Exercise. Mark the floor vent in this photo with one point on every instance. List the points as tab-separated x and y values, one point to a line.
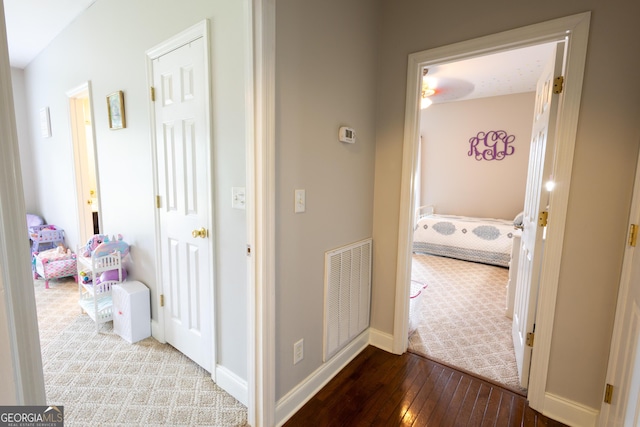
347	295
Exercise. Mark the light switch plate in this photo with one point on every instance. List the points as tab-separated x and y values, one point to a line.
238	197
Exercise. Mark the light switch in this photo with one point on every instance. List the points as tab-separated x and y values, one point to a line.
300	201
237	197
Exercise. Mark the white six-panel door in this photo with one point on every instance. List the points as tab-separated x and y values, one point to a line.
183	162
530	256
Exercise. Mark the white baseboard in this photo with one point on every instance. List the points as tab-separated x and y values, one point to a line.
298	396
232	384
157	332
381	340
569	412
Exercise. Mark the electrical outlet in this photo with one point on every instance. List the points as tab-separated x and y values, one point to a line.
298	351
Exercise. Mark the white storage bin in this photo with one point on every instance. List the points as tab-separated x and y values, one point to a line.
131	311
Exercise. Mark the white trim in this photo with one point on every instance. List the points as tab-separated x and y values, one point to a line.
251	396
199	30
265	190
18	295
381	340
232	384
575	29
618	341
303	392
569	412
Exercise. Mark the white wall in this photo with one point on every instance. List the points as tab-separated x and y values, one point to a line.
26	156
603	169
458	184
325	69
106	45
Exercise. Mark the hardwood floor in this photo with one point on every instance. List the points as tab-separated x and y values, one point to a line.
381	389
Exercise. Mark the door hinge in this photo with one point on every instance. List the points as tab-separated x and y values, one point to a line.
530	337
153	94
543	218
161	300
248	250
558	84
158	204
633	234
608	393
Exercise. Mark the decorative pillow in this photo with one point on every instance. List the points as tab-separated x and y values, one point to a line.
34	220
518	219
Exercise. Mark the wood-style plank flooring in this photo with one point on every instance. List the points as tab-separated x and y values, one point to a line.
381	389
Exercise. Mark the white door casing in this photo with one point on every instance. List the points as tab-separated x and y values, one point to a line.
623	372
535	202
184	220
574	29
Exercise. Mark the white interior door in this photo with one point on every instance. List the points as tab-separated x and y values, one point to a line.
531	247
623	372
183	167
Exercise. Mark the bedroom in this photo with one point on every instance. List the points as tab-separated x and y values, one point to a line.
454	178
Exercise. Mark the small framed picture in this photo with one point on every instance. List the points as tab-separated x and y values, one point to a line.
115	105
45	123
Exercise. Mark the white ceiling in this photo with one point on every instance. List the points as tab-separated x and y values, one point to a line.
504	73
33	24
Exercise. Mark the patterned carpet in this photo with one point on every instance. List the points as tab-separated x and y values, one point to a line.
102	380
461	321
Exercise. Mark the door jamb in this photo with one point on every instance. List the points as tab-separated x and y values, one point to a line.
199	30
262	396
575	29
21	357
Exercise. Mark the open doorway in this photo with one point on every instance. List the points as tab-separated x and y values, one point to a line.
85	164
573	30
471	179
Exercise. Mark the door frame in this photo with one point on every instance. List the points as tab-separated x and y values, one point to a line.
575	30
262	304
73	96
199	30
618	340
20	357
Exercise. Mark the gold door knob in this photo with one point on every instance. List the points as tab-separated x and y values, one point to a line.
199	233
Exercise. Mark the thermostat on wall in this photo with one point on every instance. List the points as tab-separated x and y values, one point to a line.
347	135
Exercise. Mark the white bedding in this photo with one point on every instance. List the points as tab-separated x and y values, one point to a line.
485	240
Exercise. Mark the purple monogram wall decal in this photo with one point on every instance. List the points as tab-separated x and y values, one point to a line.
492	145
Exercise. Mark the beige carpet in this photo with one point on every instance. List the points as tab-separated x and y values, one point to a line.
102	380
461	321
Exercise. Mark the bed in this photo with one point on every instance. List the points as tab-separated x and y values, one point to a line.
485	240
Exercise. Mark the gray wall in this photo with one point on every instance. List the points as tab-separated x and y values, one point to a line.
325	69
107	45
604	163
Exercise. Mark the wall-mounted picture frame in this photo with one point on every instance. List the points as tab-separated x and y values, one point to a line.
115	106
45	123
